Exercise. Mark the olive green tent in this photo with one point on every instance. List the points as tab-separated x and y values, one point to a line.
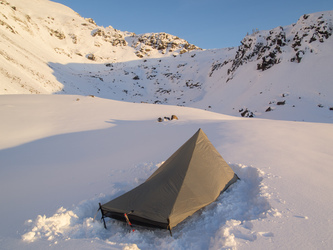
193	177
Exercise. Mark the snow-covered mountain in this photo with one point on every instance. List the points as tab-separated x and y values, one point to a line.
33	37
272	74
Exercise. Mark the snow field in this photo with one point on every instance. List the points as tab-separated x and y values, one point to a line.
223	222
60	155
92	150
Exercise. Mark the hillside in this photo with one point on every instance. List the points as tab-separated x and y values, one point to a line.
32	38
275	74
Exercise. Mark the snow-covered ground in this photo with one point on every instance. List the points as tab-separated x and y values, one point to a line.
61	155
87	138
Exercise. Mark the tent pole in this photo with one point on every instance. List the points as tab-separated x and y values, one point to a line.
100	207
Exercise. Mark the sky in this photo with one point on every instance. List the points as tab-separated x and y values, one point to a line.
208	24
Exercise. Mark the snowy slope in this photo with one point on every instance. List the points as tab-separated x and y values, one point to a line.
63	154
33	37
61	52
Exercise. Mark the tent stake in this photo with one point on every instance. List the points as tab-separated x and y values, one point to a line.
100	207
169	227
128	221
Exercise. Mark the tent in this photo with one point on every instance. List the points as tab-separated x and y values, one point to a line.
193	177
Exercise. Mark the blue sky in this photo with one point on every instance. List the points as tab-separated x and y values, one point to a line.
206	23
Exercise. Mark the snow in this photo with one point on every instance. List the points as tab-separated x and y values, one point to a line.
57	45
92	150
77	223
87	138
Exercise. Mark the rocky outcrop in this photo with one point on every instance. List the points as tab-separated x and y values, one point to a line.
268	48
163	42
110	35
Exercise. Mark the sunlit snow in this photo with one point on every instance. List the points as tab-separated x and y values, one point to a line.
92	133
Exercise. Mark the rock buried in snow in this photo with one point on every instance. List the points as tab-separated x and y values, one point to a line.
91	57
246	113
281	103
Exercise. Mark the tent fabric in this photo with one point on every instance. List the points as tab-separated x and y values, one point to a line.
193	177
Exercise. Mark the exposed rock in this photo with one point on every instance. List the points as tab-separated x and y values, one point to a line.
190	84
298	57
90	20
268	109
97	32
246	113
174	117
217	66
267	47
111	35
7	26
162	42
57	33
91	57
74	38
